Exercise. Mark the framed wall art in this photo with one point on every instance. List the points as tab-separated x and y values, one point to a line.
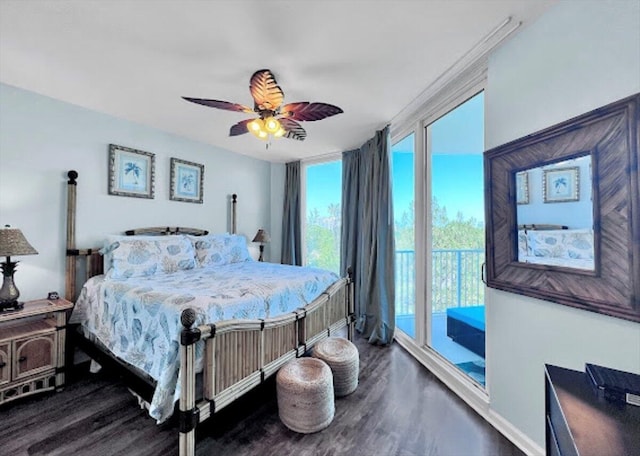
561	185
131	172
522	187
187	181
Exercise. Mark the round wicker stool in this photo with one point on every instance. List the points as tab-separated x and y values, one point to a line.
342	357
305	395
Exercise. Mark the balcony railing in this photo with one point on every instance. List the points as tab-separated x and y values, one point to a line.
456	280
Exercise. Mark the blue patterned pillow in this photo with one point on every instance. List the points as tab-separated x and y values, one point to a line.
579	244
523	244
147	257
220	249
574	244
110	244
547	243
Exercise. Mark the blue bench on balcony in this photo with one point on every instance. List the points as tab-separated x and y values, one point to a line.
465	326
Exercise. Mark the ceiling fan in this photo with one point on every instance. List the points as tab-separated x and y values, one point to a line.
274	119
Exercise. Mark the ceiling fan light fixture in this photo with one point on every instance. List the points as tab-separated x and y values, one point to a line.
279	133
255	125
272	125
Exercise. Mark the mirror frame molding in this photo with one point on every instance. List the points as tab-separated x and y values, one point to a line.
611	136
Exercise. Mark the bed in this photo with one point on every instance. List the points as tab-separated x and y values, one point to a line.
465	326
164	319
556	245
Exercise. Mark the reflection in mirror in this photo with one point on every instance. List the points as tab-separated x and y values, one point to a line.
555	214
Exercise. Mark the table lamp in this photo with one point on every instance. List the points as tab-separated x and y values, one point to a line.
12	243
262	237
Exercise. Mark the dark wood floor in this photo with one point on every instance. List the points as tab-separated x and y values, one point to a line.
399	409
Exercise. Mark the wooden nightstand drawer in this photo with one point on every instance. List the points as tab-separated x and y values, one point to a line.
32	344
32	355
5	363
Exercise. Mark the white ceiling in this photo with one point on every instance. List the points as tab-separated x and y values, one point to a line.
134	59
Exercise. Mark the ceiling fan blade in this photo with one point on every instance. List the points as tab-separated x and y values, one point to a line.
220	104
265	91
290	109
240	128
293	129
309	111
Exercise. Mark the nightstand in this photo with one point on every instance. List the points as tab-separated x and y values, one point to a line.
578	423
32	348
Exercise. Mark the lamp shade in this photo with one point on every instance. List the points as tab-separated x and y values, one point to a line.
262	236
13	243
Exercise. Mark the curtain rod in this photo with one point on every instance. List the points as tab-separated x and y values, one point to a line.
467	60
319	157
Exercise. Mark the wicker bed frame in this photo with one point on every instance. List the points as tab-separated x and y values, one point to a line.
239	354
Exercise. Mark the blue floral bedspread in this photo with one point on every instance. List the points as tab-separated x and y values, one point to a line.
138	319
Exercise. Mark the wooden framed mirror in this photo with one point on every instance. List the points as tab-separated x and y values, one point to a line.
603	143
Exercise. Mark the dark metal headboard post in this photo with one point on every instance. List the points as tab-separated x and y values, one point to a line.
234	201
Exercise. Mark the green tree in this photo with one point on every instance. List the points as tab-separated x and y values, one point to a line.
404	229
459	233
323	238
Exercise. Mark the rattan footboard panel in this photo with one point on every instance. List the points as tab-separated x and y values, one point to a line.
314	322
238	350
242	353
279	340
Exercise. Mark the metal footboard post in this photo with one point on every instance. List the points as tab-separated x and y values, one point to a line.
189	413
350	298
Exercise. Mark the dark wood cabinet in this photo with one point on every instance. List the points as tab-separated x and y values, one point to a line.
579	423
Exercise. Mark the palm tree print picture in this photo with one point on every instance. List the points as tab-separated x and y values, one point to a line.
561	185
135	170
131	172
187	181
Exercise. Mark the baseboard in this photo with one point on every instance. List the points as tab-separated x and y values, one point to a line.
470	392
517	437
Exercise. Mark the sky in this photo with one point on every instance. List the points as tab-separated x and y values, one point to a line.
324	186
457	143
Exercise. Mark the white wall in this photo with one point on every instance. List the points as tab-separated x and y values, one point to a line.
42	138
576	57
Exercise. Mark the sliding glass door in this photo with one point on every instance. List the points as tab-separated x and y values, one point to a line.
455	146
403	182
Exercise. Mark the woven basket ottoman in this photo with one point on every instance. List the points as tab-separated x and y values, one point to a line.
342	357
305	395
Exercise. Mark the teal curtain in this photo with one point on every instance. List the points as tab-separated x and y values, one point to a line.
291	252
368	247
